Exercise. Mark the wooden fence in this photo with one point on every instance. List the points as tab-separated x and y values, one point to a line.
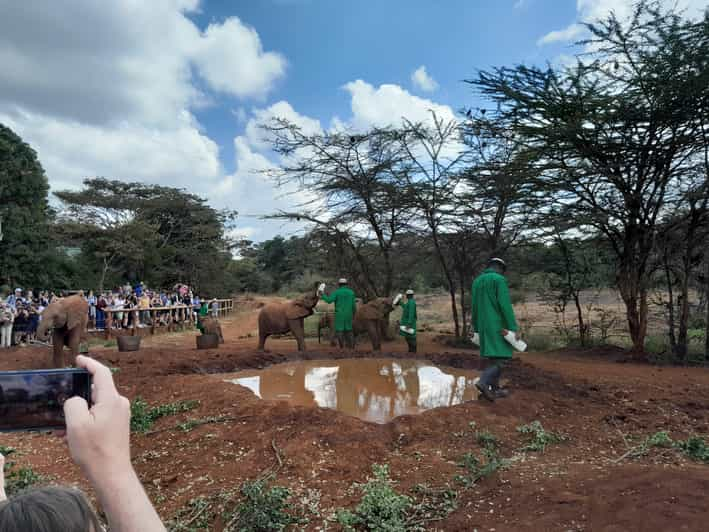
169	317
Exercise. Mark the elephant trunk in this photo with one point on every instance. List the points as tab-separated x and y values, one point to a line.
43	330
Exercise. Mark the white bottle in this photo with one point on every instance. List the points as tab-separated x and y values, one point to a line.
511	338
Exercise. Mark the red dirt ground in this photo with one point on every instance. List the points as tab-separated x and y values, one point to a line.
578	485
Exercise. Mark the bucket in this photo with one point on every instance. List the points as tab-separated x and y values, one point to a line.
207	341
128	343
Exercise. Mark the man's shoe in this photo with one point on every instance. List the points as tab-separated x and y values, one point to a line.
486	391
501	393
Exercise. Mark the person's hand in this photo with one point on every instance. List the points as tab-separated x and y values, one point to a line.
504	332
397	299
99	437
2	478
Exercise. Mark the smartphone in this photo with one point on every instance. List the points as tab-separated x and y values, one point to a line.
34	399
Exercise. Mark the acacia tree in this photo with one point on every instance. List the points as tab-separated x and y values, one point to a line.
616	134
158	234
430	173
350	184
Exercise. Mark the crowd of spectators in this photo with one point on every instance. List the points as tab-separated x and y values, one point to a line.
20	312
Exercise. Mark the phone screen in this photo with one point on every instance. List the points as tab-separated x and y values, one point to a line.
34	400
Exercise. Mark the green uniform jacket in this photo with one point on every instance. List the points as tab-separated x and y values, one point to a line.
345	306
203	311
491	312
408	317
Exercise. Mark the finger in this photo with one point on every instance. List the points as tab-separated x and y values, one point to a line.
103	385
76	413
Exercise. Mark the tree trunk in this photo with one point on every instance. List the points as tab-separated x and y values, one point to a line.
670	304
706	324
583	327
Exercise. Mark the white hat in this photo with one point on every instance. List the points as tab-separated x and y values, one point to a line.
409	292
497	259
18	289
342	281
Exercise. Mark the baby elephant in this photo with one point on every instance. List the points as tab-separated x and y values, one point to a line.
211	325
66	318
281	318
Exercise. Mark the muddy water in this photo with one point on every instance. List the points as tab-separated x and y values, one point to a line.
375	390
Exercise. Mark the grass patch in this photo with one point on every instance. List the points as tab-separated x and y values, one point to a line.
263	507
538	438
695	448
18	479
143	417
381	507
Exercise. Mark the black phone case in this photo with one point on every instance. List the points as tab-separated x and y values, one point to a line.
60	371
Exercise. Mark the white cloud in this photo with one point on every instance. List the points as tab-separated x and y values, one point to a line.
231	58
593	10
423	81
257	137
70	151
568	34
519	4
388	104
107	89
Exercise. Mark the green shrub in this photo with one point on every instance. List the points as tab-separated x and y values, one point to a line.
18	479
263	507
143	417
539	439
381	507
695	448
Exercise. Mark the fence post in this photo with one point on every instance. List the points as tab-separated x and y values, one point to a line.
109	323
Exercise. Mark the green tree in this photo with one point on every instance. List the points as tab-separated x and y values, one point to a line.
142	232
25	214
616	135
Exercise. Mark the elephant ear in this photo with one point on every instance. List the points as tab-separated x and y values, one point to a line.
297	309
73	319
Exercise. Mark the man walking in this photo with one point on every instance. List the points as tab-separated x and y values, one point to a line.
345	307
407	323
492	319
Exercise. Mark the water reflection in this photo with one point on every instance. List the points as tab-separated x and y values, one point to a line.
375	390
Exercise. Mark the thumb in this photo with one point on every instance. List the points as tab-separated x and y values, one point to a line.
76	413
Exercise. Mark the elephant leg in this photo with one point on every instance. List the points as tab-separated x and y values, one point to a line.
262	340
57	349
296	327
373	330
74	339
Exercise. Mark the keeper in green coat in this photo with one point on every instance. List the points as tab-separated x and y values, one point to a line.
407	323
345	307
203	311
492	319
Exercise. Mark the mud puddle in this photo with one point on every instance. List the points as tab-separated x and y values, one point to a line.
375	390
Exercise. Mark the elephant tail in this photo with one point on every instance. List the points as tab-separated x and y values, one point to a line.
319	331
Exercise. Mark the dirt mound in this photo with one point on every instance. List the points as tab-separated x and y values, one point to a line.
602	407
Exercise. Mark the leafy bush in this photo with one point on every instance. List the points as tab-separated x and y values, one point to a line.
263	508
17	479
381	507
142	417
476	470
695	448
539	439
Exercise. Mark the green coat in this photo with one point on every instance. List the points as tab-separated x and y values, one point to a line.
408	317
345	307
203	311
491	311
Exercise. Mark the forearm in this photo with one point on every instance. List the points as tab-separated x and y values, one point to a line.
126	504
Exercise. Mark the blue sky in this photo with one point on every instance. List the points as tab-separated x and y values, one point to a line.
173	91
330	43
